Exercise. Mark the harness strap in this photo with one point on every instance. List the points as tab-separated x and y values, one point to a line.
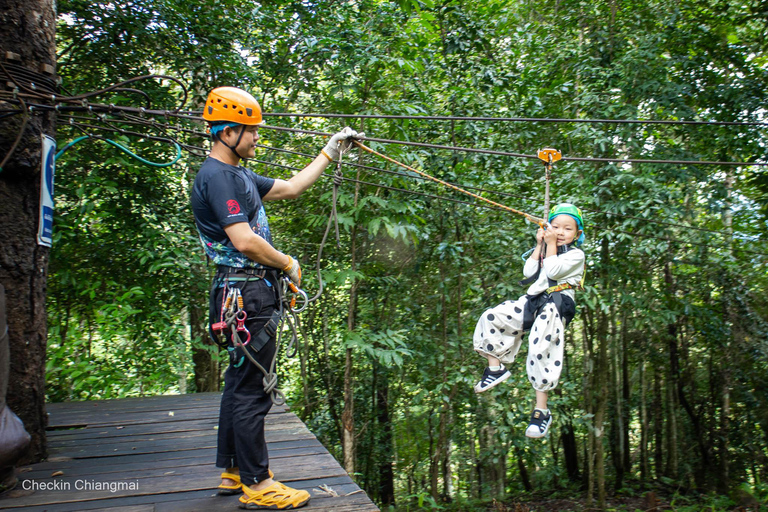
534	277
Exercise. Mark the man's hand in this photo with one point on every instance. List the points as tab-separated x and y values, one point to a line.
340	142
293	270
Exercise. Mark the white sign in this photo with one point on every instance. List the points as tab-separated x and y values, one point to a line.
45	231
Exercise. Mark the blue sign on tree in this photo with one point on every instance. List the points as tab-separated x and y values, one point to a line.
45	231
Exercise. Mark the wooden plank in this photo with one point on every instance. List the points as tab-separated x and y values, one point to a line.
281	449
356	503
206	500
274	421
164	430
123	419
146	402
69	489
87	468
170	445
164	462
159	411
179	402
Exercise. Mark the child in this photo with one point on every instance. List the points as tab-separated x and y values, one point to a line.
544	310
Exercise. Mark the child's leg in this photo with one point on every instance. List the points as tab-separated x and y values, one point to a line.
498	336
545	350
545	362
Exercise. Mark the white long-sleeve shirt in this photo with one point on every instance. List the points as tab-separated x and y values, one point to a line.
563	268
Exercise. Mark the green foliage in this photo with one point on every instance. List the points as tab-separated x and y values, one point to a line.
675	303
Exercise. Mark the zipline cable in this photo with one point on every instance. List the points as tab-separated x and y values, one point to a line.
617	161
18	137
496	208
202	134
500	193
521	155
519	119
536	220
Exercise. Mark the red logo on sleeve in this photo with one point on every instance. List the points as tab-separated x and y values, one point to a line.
233	207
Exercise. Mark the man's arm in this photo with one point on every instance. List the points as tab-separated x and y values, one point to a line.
255	247
295	186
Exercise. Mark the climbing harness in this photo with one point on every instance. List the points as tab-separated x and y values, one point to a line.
231	325
536	220
536	303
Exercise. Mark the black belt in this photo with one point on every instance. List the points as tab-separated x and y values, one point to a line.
226	270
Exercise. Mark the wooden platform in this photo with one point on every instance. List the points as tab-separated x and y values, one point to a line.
157	454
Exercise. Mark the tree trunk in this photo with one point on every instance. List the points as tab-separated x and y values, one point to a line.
29	33
625	394
570	452
589	447
386	473
205	364
644	425
348	441
602	394
438	464
658	425
618	425
523	470
672	461
347	417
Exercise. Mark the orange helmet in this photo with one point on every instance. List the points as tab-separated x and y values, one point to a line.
232	105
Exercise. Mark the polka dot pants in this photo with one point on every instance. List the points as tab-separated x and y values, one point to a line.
499	333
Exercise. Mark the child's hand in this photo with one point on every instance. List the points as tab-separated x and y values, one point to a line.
550	236
539	235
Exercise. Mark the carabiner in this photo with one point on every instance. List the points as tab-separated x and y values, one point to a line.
298	291
303	295
240	320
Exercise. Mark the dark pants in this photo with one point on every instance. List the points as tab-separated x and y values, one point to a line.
244	404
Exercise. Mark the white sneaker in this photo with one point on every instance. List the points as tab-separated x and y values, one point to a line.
539	424
491	379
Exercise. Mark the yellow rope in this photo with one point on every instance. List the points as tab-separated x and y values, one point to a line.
535	220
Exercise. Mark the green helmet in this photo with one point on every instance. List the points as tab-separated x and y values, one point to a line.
572	211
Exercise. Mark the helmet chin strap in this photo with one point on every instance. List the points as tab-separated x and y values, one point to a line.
234	148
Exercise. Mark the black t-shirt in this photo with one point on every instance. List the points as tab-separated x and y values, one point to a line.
225	194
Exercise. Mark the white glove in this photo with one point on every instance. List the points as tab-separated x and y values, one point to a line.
293	270
340	142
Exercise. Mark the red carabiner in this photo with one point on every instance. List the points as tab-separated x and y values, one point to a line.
240	319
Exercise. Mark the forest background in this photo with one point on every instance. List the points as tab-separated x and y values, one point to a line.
665	379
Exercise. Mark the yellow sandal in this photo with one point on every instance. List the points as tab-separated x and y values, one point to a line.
276	496
228	490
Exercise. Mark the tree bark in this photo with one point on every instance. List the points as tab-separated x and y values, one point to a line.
658	425
29	32
205	365
602	393
589	448
386	473
348	441
644	425
618	425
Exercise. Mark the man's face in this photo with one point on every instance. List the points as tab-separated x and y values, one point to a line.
247	145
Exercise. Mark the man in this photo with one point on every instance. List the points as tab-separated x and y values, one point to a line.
230	217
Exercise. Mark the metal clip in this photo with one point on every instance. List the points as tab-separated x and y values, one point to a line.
240	319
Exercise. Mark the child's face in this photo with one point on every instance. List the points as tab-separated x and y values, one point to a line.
566	228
